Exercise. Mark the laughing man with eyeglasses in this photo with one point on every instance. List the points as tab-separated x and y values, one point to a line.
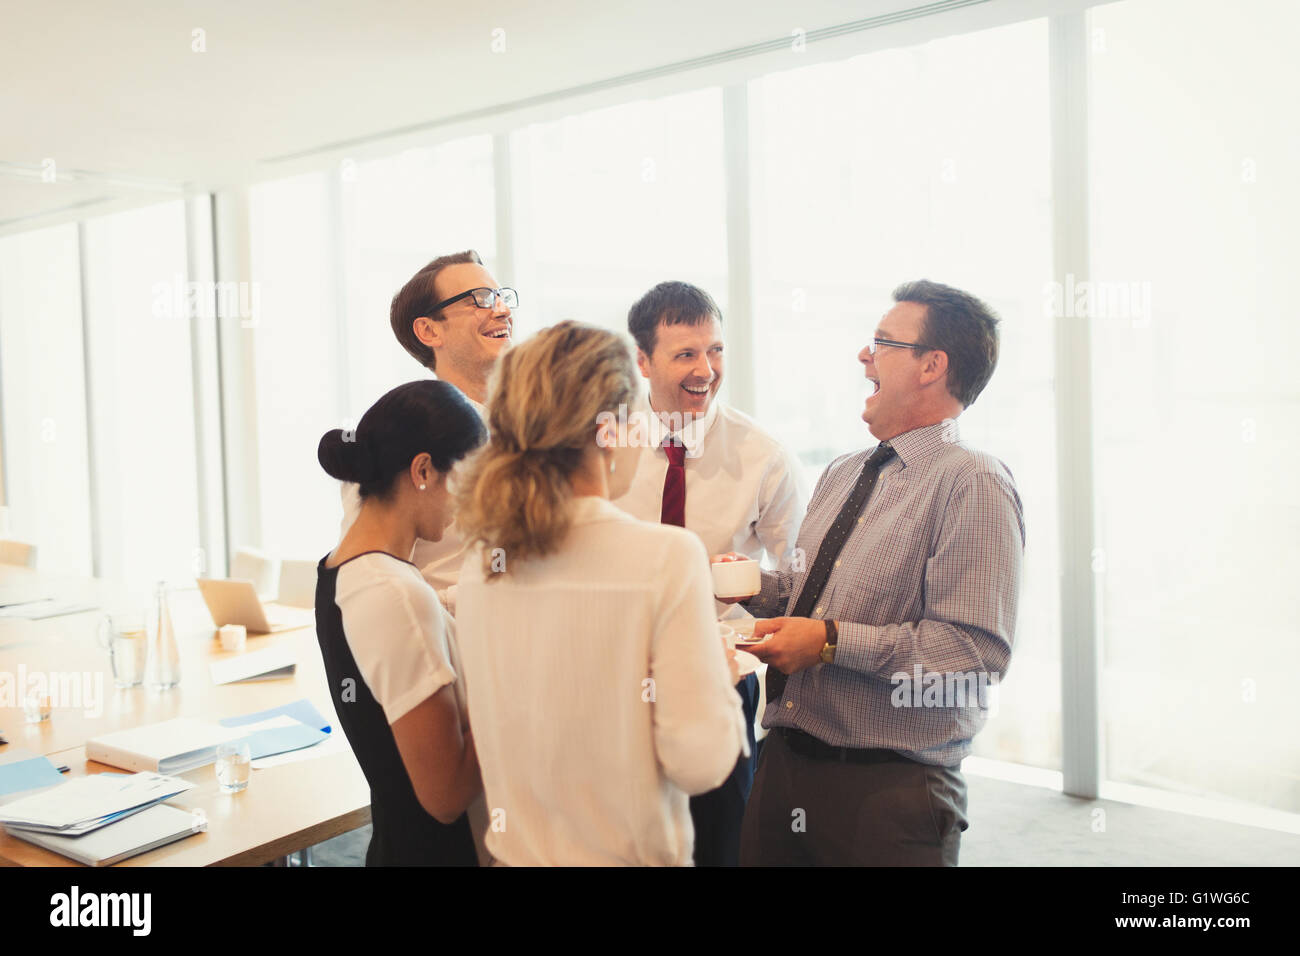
918	542
456	321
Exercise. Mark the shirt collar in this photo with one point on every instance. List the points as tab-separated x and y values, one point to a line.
692	435
921	443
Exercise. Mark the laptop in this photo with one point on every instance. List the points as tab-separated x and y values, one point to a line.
237	602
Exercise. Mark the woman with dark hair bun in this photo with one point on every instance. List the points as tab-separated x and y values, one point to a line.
388	644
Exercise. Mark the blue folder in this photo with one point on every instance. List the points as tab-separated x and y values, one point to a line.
311	729
20	775
300	710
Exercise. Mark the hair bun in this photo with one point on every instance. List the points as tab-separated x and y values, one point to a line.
345	456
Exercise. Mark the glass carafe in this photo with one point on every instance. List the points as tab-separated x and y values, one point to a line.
163	670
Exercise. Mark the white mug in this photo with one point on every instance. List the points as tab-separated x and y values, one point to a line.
233	637
736	579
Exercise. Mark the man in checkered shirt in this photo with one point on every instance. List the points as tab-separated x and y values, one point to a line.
901	614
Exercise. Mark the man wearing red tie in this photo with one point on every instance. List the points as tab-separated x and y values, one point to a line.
713	471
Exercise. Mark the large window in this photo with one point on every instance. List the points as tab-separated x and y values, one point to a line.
398	213
142	395
1195	143
42	374
298	342
611	202
330	250
927	162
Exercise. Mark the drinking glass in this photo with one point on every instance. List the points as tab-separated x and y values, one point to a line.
234	765
126	638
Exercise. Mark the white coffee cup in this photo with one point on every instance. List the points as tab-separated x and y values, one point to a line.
736	579
233	637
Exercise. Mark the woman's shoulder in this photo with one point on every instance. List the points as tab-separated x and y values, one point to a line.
377	576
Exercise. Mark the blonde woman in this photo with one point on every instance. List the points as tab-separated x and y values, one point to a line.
601	694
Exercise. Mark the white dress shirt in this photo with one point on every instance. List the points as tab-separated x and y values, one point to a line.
599	694
438	561
744	491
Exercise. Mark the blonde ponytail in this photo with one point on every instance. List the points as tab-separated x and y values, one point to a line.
544	400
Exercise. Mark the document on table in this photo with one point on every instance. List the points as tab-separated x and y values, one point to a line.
334	744
266	664
87	803
10	598
301	710
278	735
39	610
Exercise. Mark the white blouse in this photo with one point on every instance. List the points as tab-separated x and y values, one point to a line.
404	643
599	693
401	637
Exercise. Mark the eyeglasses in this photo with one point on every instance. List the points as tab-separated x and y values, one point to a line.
484	298
876	343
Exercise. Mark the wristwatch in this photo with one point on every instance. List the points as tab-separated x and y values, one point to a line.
828	649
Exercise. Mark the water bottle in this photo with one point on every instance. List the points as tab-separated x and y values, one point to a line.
163	670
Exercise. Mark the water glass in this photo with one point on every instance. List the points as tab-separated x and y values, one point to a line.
36	707
126	638
234	766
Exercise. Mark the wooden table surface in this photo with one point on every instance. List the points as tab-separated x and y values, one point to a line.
284	809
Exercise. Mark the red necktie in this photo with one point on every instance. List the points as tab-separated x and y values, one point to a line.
674	508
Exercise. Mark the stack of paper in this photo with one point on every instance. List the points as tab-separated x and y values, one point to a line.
104	818
154	827
84	804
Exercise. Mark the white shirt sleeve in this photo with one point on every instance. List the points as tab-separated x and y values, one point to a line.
699	724
396	630
782	501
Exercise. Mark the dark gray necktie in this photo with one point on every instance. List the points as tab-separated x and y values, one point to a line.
830	549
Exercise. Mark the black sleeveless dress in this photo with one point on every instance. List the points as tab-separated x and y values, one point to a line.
404	833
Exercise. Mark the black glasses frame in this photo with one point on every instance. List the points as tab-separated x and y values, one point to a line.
919	346
490	294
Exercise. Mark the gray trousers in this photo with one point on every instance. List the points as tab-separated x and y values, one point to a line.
812	812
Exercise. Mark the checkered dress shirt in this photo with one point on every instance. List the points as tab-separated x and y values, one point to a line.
924	593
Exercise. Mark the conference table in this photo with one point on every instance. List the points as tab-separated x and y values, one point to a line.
286	807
